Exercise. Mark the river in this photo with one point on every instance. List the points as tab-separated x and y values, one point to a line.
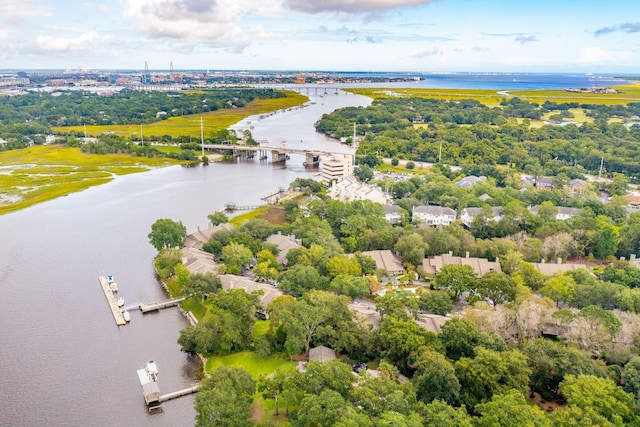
63	361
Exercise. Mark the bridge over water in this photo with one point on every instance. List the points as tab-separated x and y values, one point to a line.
278	154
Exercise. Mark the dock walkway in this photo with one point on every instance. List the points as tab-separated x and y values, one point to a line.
146	308
179	393
111	299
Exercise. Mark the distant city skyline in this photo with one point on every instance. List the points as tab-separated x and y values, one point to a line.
347	35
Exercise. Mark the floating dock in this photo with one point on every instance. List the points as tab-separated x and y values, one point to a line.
146	308
111	299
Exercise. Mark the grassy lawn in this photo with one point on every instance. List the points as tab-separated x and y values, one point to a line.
384	167
195	306
248	216
40	173
190	125
249	361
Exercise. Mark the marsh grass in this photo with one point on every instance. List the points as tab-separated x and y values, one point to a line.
40	173
190	125
491	98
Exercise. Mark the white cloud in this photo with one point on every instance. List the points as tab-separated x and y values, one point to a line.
351	6
73	43
595	55
14	11
212	22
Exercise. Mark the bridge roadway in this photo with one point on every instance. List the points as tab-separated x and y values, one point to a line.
278	154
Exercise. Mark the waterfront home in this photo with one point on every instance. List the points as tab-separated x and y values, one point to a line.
349	189
199	238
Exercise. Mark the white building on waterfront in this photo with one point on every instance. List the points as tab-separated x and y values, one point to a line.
335	167
349	189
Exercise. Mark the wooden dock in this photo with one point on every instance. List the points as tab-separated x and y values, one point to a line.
111	299
179	393
155	306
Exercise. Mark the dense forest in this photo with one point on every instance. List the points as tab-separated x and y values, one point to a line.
26	118
472	134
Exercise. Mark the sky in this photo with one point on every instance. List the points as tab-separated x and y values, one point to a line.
590	36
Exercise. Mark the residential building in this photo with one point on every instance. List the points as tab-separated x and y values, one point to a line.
578	186
468	214
470	181
392	213
481	266
200	237
549	268
563	214
321	354
335	167
284	244
269	292
349	189
433	215
544	183
386	260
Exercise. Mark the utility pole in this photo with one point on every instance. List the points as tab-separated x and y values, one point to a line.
600	172
141	135
202	136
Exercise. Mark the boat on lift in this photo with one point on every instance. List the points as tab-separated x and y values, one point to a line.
120	302
126	315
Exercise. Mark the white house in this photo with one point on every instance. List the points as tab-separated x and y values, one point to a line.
392	213
349	189
468	214
563	214
433	215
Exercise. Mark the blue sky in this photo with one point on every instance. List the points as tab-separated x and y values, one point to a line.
345	35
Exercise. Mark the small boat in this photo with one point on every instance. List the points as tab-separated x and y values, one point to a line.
126	315
114	286
120	302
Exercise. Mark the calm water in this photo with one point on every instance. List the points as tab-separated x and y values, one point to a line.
63	361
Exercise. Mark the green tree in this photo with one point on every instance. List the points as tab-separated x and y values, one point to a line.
402	340
496	287
301	278
490	373
350	285
363	173
225	398
236	255
560	289
217	218
438	413
330	375
201	284
547	211
631	377
435	378
323	410
511	409
608	237
343	265
374	396
284	381
166	233
437	302
411	248
456	279
597	401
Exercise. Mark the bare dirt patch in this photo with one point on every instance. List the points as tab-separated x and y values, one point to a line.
274	214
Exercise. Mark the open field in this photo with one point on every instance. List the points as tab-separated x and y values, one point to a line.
249	361
40	173
492	98
190	125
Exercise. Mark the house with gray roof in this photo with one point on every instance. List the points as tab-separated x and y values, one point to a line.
433	215
200	237
563	214
284	244
392	213
468	214
386	260
470	181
